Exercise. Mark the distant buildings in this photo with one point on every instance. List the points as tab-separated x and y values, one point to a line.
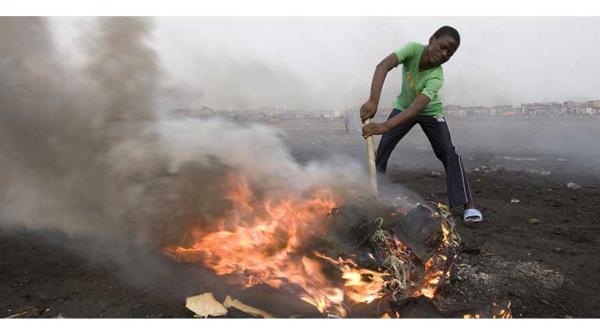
271	114
550	109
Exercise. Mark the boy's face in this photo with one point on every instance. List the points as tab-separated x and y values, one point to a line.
441	49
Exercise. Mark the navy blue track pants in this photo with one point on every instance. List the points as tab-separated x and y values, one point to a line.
436	130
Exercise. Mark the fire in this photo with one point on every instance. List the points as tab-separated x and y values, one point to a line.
386	315
431	280
361	285
256	228
503	313
433	274
259	241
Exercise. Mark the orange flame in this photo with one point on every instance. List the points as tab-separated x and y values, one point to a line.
432	273
504	313
361	285
259	241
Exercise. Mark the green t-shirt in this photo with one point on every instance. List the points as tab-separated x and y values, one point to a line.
415	82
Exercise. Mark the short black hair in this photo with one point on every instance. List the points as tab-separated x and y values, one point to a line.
448	31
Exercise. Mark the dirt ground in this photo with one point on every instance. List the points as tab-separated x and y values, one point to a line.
519	171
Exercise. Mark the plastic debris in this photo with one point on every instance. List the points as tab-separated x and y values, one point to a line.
230	302
27	312
205	305
573	185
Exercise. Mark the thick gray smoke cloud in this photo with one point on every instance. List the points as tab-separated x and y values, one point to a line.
62	131
82	152
69	156
256	152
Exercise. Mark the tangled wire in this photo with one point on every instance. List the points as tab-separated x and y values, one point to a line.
398	262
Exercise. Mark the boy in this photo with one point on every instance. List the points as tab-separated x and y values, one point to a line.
422	78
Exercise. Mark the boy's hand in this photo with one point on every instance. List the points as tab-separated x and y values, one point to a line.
374	129
368	110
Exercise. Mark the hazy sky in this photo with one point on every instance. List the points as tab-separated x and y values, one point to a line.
327	63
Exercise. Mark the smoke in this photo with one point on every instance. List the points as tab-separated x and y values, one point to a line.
69	141
83	152
256	152
62	130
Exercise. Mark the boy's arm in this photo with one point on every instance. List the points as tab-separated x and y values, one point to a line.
369	109
418	104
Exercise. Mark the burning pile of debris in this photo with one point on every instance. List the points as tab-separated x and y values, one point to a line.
390	253
340	259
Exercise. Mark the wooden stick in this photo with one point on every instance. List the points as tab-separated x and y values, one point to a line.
372	169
